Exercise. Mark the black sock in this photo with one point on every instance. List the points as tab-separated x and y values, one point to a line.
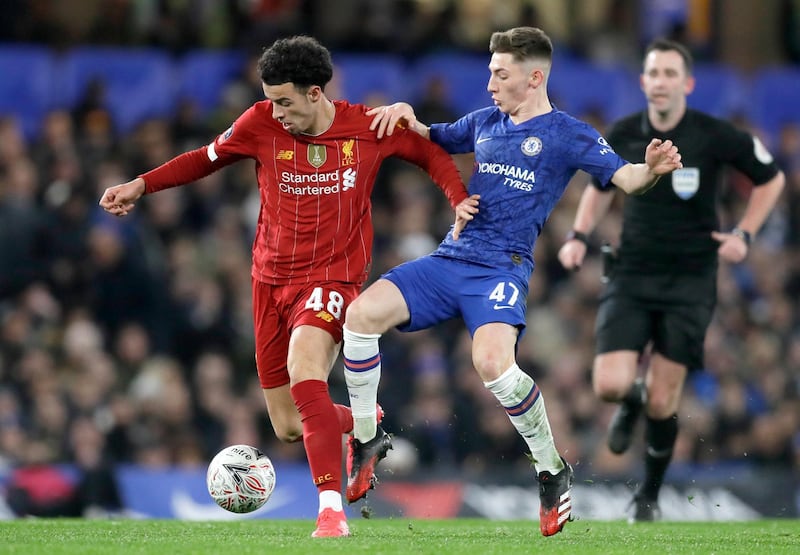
660	436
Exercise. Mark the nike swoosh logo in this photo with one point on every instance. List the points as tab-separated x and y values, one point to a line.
498	307
483	140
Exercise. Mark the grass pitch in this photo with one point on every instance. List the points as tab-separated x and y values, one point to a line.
395	536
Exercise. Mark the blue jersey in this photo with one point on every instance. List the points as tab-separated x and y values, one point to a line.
520	172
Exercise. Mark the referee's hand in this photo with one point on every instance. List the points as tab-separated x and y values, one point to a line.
571	254
732	248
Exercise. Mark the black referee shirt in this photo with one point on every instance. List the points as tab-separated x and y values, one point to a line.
668	229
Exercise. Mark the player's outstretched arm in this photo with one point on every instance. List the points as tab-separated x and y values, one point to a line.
120	199
465	212
660	158
386	118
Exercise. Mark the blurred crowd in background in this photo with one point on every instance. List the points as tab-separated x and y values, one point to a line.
722	30
130	340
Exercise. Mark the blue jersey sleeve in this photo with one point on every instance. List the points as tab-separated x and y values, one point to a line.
594	155
457	137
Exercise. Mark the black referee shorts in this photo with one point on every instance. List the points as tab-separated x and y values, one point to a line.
672	311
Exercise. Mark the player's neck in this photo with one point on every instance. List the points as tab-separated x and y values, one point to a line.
530	109
324	119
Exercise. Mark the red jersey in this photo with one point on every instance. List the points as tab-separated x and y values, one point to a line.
315	221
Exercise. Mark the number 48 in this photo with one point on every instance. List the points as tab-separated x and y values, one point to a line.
334	306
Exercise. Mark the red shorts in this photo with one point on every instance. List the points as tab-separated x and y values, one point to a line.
278	309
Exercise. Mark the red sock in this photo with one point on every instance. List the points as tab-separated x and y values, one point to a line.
345	418
322	433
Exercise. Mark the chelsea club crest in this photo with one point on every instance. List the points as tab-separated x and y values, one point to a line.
531	146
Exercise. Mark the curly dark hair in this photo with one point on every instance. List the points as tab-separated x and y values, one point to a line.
300	60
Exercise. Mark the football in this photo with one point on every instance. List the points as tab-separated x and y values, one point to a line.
240	479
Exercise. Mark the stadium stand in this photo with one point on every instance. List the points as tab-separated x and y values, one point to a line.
136	84
581	88
719	90
465	77
203	75
775	98
363	77
26	87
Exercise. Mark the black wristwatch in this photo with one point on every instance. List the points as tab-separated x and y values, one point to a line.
578	236
742	234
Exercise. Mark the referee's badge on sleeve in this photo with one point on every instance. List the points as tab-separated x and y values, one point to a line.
685	182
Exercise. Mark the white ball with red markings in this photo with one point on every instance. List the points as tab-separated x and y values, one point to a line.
240	479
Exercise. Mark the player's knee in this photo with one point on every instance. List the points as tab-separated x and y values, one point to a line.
287	427
288	434
609	395
608	387
362	317
489	366
661	404
355	316
613	376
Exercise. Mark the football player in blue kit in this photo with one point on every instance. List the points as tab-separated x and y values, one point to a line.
526	151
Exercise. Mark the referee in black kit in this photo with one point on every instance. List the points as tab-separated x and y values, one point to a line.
662	287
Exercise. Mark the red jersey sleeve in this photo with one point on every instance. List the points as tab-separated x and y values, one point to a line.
196	164
429	156
189	166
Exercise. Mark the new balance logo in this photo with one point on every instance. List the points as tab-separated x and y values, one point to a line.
323	315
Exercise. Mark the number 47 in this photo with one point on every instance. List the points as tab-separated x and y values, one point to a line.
499	294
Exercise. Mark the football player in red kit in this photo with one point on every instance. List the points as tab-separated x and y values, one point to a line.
316	164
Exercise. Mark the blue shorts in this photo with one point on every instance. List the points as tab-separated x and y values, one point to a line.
437	288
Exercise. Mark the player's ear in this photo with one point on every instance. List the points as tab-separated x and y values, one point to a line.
688	87
536	78
314	93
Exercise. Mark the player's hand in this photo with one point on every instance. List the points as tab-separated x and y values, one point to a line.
386	118
732	248
571	254
465	211
662	157
120	199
